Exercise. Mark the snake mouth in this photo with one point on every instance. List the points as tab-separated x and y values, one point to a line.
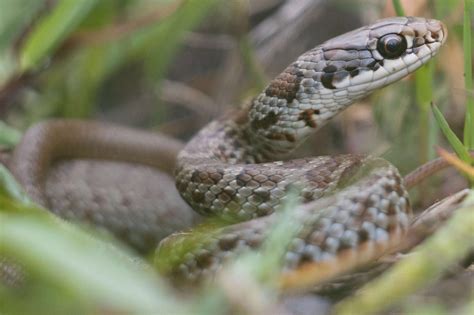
431	34
438	32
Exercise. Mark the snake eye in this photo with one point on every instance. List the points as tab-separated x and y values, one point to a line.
392	46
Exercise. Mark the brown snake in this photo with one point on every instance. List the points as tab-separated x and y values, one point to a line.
351	205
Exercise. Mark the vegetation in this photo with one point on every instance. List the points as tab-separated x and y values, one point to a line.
72	58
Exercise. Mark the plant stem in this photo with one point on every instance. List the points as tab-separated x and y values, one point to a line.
467	40
398	7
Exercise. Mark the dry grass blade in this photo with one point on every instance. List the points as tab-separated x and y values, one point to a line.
456	162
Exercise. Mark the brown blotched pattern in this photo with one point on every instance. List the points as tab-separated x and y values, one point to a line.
231	168
350	206
242	192
376	207
286	84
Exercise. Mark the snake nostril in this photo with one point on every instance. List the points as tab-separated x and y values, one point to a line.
437	30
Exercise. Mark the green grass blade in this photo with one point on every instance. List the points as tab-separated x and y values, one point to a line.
9	137
467	40
282	233
161	42
14	16
453	140
52	29
248	55
10	189
424	97
88	270
91	270
398	7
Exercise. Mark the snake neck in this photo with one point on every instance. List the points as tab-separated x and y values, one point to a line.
325	80
219	160
316	87
239	138
265	130
224	141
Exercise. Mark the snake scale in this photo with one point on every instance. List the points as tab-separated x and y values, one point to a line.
234	167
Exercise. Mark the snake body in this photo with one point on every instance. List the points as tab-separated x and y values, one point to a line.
107	175
234	169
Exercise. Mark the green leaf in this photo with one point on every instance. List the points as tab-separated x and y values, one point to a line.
86	72
68	267
444	8
91	271
10	189
161	41
398	7
52	30
424	96
467	42
15	15
453	140
9	137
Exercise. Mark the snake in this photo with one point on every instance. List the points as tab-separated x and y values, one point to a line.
236	167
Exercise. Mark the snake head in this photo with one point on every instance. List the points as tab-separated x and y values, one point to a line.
325	80
376	55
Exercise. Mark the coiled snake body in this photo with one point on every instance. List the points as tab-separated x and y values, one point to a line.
350	204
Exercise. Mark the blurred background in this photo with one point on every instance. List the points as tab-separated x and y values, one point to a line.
172	66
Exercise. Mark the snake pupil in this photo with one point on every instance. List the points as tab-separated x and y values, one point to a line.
392	46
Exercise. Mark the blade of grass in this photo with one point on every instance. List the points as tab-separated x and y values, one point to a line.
52	29
467	40
424	97
9	136
250	60
453	140
14	17
398	7
168	35
257	272
424	94
456	162
93	271
88	269
275	246
10	189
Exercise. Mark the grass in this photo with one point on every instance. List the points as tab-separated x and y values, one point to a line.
8	136
467	44
98	274
398	8
424	95
462	148
51	30
94	272
72	271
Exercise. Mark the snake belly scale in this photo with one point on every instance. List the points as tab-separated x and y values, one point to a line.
234	167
